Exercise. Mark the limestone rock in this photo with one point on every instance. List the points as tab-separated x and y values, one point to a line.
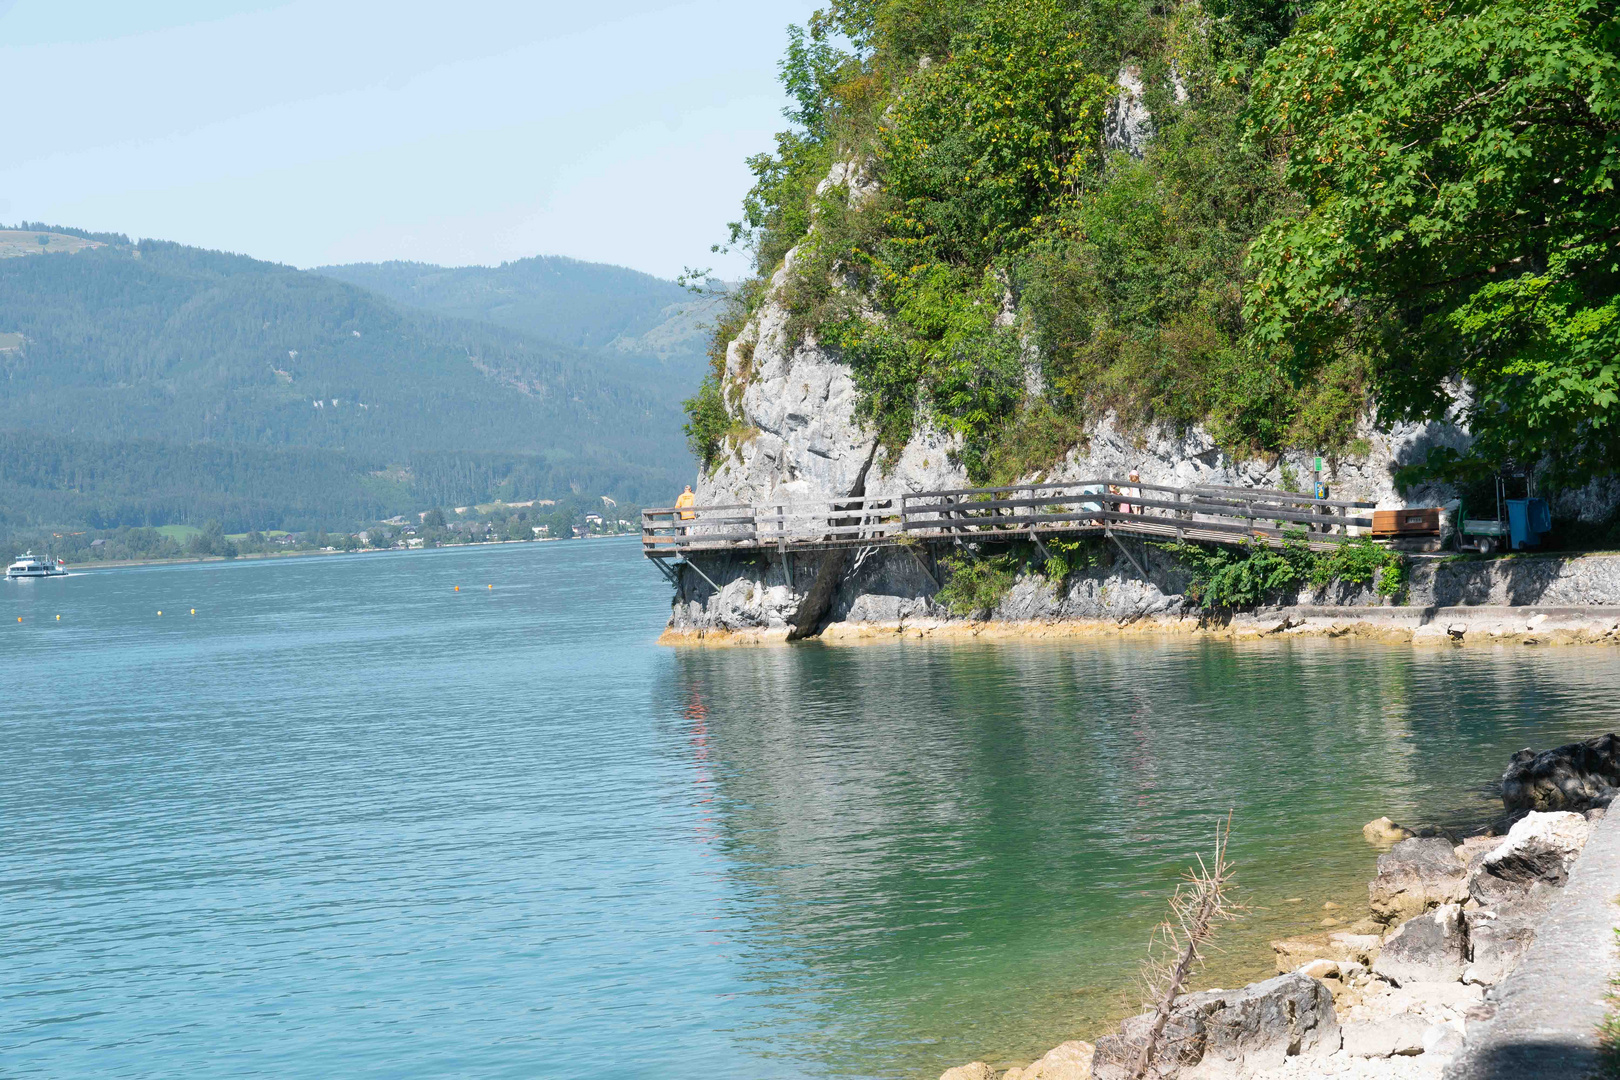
1336	975
1414	876
1399	1035
1128	125
1540	848
1230	1033
1497	940
976	1070
1443	1041
1475	848
1428	948
1339	947
1384	832
1578	776
1070	1061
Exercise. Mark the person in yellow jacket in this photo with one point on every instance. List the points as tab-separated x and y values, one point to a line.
683	500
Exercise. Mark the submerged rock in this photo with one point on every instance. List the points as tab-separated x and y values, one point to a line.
1229	1033
1578	776
1383	831
976	1070
1070	1061
1415	876
1339	947
1429	948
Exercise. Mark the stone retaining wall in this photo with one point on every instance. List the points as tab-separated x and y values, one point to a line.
1533	599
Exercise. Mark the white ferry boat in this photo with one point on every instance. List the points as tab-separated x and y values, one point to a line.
30	567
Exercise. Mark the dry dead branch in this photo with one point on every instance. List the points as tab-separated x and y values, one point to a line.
1180	943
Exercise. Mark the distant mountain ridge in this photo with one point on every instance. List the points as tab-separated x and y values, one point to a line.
607	309
160	382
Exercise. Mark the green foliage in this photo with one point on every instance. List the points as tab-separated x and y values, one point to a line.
707	422
998	224
975	586
983	145
1458	167
1232	578
1072	556
1360	562
1225	579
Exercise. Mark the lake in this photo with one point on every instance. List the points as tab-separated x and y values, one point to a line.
347	820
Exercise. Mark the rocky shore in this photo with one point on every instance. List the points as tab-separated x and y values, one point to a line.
1444	975
892	593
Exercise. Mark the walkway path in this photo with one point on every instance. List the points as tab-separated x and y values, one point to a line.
1548	1012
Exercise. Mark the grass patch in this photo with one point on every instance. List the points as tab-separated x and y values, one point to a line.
180	534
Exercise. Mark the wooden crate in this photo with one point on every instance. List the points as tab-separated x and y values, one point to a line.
1418	521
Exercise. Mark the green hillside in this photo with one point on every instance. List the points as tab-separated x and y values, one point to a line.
1260	216
607	309
153	383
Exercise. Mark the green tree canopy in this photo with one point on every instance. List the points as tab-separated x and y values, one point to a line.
1458	164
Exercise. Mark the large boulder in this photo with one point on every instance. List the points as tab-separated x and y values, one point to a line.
1429	948
1219	1034
1539	849
1579	776
1071	1061
974	1070
1415	876
1497	940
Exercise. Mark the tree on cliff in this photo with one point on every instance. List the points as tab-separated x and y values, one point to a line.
1458	165
1360	202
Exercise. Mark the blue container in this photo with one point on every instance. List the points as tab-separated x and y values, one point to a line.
1527	520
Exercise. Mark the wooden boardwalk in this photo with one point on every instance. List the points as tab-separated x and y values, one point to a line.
1001	514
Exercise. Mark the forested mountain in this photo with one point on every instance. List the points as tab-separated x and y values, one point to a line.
153	383
590	306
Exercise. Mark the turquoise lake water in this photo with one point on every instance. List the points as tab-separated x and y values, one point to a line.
347	821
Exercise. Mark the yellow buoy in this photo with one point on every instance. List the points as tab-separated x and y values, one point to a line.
194	611
492	586
458	588
59	618
160	613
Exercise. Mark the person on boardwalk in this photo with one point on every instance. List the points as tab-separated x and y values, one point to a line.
684	500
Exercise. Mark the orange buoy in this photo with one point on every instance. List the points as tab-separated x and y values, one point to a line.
458	588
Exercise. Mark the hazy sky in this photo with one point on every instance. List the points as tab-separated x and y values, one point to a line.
324	131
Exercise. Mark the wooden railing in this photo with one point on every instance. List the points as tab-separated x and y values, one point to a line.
986	514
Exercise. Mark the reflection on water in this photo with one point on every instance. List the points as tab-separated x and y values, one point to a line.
963	847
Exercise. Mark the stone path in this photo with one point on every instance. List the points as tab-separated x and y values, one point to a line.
1547	1013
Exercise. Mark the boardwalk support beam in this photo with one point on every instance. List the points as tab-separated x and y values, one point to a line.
1110	534
701	574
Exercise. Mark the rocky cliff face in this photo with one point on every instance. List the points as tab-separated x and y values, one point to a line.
798	405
